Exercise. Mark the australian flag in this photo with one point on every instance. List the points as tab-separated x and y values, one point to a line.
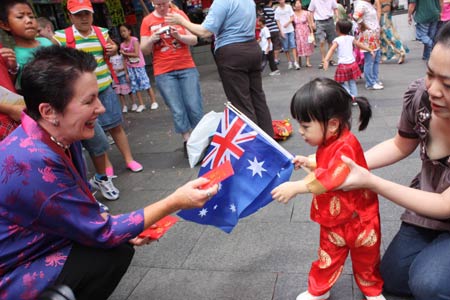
259	163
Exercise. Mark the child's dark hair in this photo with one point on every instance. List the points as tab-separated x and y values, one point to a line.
344	26
5	6
322	99
127	26
262	20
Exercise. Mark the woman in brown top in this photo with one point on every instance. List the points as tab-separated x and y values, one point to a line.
417	262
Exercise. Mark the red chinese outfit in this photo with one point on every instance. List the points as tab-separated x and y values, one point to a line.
349	220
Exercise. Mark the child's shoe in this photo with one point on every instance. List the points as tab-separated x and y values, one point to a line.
134	107
379	297
307	296
134	166
140	108
125	109
154	105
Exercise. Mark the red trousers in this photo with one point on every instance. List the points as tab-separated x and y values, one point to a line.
363	240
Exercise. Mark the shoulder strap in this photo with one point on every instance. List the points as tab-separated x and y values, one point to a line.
102	40
70	38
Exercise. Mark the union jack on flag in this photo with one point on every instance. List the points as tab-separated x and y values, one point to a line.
227	140
259	163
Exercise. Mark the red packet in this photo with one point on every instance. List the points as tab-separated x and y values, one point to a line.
218	174
162	226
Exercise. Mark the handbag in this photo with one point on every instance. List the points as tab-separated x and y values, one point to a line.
311	38
133	60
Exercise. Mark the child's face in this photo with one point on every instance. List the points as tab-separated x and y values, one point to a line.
124	32
312	132
21	22
82	21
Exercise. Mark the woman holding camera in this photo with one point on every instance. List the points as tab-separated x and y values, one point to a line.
175	72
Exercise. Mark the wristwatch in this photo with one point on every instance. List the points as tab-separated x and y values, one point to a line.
15	70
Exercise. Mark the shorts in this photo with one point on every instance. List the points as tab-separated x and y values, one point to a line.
275	39
113	114
289	41
98	144
123	87
138	79
325	30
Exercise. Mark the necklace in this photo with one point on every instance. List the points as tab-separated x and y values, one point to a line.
65	147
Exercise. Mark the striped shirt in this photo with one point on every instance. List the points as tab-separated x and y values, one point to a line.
92	45
269	15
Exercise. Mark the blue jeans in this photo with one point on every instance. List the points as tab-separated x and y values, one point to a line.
425	33
180	90
371	67
113	114
417	263
350	87
98	144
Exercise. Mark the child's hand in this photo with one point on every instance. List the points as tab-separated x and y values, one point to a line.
284	192
372	53
111	48
300	161
326	64
9	56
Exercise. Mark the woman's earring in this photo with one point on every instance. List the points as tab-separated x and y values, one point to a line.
55	122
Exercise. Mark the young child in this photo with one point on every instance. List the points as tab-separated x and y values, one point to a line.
347	71
19	21
349	220
267	48
131	50
122	88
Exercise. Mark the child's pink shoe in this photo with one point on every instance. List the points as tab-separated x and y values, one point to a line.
134	166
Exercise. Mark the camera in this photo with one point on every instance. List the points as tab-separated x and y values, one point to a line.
165	29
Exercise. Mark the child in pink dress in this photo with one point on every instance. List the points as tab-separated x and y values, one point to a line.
139	80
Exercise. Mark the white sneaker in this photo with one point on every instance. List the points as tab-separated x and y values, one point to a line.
379	297
296	65
380	83
154	105
290	66
134	107
376	86
106	187
307	296
140	108
274	73
125	109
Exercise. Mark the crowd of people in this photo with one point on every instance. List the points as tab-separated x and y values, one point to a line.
72	79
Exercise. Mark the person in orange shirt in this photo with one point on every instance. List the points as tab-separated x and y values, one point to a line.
175	72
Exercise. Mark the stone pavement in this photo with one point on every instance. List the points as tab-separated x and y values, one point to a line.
268	255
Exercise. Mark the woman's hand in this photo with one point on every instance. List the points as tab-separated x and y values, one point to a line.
358	177
174	33
156	37
174	19
138	241
192	195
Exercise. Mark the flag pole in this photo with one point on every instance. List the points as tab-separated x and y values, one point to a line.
259	130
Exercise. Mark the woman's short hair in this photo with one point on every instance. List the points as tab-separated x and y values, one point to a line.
50	75
443	35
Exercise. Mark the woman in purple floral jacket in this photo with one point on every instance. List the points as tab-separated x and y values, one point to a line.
52	230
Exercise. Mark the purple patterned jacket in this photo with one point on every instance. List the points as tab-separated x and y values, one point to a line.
45	205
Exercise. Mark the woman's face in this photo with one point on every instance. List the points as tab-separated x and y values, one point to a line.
438	81
161	6
21	22
78	119
298	5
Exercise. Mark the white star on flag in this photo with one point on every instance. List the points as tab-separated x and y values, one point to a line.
256	167
203	212
233	207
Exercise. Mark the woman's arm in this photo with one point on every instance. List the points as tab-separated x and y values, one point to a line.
197	29
147	43
429	204
390	151
13	111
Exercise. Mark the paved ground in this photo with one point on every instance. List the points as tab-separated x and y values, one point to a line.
268	255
